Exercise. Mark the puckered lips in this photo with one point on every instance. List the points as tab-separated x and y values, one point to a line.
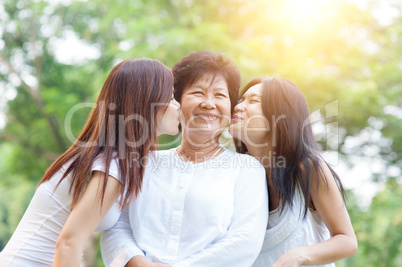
207	116
236	117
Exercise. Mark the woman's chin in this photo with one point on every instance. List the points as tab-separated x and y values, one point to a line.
174	131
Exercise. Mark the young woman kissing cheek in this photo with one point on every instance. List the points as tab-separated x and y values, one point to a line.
248	122
168	119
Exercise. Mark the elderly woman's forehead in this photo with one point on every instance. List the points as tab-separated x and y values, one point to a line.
210	79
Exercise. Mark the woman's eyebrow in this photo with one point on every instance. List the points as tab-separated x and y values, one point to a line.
253	95
197	87
221	89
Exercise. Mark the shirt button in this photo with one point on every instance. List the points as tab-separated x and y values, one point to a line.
177	206
182	185
175	230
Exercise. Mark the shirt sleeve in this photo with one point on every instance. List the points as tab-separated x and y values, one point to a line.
243	241
118	245
99	165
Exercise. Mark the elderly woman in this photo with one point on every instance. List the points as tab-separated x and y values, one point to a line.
200	204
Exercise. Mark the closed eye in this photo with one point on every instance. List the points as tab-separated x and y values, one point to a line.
221	95
197	92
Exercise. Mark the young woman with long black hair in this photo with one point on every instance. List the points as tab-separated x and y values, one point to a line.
308	222
85	188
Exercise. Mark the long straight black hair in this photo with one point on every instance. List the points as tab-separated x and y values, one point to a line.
295	142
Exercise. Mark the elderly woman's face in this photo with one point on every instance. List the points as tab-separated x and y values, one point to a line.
206	106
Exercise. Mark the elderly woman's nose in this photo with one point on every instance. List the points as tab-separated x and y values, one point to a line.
208	102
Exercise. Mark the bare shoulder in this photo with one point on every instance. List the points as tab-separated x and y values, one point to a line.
320	178
319	173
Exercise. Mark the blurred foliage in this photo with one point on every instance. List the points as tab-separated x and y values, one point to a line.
378	230
57	54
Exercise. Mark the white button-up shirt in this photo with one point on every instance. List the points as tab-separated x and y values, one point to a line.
212	213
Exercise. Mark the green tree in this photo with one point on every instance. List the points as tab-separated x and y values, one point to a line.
379	229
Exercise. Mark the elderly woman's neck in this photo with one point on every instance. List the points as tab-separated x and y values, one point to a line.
199	151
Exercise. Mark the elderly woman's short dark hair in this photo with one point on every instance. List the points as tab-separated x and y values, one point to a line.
197	64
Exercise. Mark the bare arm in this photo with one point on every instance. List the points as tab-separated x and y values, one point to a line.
342	244
84	219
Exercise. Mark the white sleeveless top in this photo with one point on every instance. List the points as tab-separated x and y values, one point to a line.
288	230
34	241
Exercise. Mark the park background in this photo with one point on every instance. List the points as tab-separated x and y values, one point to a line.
345	55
